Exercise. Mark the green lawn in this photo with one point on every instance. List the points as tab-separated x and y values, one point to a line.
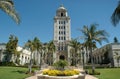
19	73
111	73
13	73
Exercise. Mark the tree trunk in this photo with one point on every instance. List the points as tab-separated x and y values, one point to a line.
8	57
30	65
37	62
75	57
40	61
86	55
118	62
93	68
83	59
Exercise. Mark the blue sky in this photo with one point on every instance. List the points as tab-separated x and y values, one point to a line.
37	18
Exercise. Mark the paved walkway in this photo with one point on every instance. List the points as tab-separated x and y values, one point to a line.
80	69
90	77
86	77
32	77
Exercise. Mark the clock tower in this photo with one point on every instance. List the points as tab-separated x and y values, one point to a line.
62	34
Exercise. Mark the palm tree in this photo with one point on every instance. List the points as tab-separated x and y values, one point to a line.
31	47
51	48
45	50
86	46
76	46
115	40
117	57
92	35
116	15
8	7
38	48
11	48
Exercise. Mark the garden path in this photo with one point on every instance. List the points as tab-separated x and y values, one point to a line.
80	69
86	77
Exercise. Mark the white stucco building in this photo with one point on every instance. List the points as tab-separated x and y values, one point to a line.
2	49
24	54
107	55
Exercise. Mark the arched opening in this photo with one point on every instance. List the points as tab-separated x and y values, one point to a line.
61	14
62	57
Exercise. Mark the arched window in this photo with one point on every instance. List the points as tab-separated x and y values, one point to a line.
61	14
22	56
62	57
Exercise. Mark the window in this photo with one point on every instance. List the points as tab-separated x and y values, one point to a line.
64	27
59	32
58	48
61	14
65	48
64	22
61	48
64	38
64	32
59	38
59	22
59	27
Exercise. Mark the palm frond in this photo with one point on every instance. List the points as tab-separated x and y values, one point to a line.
91	35
8	7
85	31
115	18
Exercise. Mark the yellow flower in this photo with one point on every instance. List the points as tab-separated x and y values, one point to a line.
60	73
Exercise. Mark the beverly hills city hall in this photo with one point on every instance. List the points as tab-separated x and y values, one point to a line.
62	34
61	39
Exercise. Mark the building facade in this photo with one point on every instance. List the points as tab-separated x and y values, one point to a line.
108	54
2	50
24	55
62	34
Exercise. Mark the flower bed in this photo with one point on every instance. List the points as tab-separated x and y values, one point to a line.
57	74
80	76
60	73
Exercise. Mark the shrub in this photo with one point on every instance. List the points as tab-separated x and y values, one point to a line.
60	64
95	72
28	72
7	64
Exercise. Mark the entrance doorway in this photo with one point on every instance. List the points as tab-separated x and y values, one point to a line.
62	57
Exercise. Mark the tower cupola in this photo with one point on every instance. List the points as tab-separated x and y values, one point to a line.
61	12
